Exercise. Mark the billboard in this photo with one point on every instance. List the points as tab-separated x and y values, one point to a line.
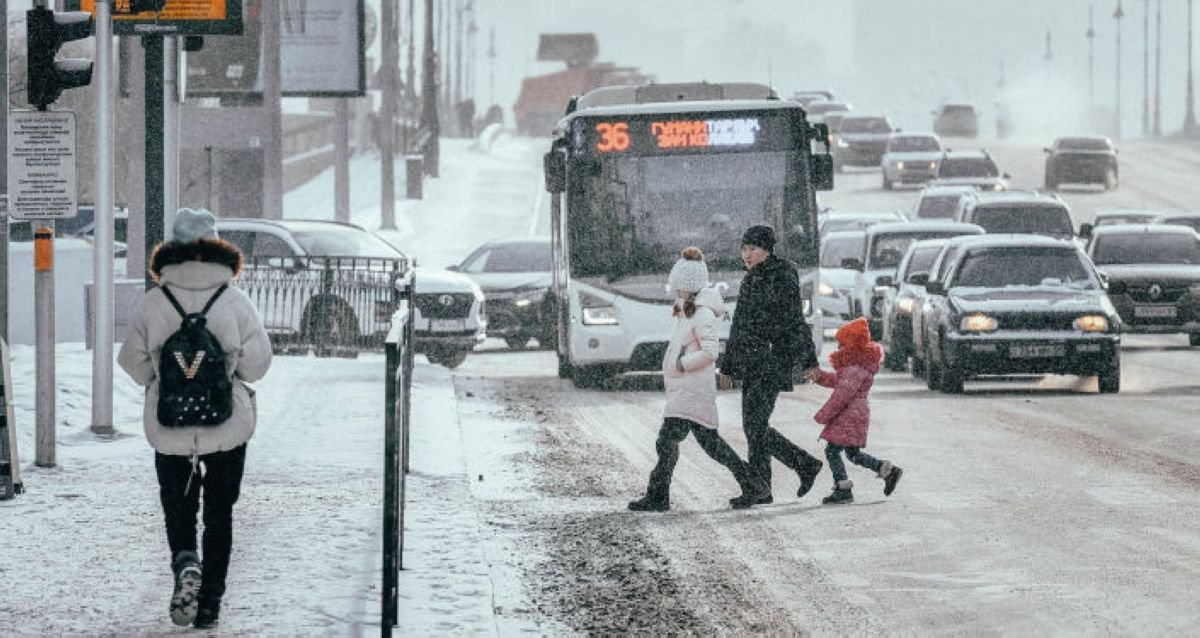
321	53
178	17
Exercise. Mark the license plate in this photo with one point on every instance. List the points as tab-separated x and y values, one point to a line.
1154	311
1037	350
447	325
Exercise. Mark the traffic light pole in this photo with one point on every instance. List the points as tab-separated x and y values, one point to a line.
154	147
102	286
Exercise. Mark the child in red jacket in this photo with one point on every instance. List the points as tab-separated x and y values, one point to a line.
847	414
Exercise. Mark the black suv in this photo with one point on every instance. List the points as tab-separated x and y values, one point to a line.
1081	160
970	168
515	276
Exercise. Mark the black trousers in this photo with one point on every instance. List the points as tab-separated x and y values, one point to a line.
675	430
218	477
764	441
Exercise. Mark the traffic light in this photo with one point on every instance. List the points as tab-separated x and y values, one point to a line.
47	31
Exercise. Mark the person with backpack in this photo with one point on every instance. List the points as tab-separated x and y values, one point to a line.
195	343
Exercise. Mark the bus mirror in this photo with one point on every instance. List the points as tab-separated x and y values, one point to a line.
822	172
555	167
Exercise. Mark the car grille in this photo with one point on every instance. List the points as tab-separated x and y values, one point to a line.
1167	295
444	305
1034	321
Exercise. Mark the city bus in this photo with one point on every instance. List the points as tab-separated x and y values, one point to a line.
636	174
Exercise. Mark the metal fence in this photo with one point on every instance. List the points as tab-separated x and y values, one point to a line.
398	349
334	306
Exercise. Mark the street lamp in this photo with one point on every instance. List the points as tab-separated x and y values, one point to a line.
1145	67
1119	15
1091	38
1158	71
1189	120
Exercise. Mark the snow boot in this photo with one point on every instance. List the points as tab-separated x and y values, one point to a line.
841	493
808	475
650	503
208	613
753	491
186	566
891	476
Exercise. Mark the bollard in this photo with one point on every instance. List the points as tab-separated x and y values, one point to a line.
413	169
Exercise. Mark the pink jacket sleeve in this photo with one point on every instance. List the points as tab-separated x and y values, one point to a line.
844	392
827	379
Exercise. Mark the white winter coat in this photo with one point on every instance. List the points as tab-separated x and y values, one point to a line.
692	392
235	323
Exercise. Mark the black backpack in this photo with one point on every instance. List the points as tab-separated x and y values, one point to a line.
193	387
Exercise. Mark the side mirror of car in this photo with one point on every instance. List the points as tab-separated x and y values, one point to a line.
918	278
452	268
851	263
935	288
1085	230
1046	149
1006	176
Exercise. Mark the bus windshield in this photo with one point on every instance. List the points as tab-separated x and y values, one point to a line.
634	215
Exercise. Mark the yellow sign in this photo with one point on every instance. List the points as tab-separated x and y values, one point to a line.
174	10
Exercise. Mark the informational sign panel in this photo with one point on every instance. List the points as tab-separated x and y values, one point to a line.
42	177
321	53
178	17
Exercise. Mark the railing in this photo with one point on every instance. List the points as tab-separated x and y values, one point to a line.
398	351
335	306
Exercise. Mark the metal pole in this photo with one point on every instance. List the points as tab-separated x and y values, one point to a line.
272	140
1189	119
170	129
1158	71
389	67
341	170
155	230
491	66
1146	67
4	181
391	492
429	96
410	74
43	311
102	287
1118	15
1091	38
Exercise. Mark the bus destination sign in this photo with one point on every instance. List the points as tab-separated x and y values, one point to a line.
691	134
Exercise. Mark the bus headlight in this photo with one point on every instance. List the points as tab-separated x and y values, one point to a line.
978	323
1091	323
826	290
905	305
600	316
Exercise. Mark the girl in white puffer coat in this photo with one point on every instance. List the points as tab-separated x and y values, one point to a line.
689	374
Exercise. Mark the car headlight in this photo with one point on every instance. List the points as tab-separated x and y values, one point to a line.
997	187
600	316
826	290
905	305
528	298
841	143
978	322
900	165
1091	323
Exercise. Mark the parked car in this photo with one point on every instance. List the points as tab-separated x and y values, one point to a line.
1020	304
1191	220
909	284
940	202
1020	212
83	225
330	283
515	276
884	248
861	140
1110	216
1081	160
1153	273
835	221
910	158
956	120
970	168
836	281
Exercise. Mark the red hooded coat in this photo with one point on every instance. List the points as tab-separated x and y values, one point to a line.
847	414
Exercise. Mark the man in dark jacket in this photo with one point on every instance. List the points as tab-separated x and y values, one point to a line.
767	340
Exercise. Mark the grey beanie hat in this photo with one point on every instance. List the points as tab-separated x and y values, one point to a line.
191	225
689	274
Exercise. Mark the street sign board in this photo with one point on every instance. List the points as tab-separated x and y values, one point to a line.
42	177
178	17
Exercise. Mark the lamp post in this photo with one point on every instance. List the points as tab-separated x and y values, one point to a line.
1091	38
1189	120
1145	67
1119	15
1158	71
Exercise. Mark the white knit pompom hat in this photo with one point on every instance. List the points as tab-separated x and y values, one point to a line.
689	274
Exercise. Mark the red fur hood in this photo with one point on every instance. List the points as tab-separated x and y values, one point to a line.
867	356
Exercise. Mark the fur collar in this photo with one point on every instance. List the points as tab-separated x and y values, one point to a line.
867	357
215	251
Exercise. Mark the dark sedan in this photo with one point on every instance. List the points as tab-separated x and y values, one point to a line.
515	277
1020	304
898	308
1081	160
1153	273
861	141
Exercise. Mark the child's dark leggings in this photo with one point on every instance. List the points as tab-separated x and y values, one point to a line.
855	455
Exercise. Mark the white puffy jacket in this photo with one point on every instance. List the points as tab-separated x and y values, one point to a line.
692	391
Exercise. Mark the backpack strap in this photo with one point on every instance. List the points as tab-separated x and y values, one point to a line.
179	308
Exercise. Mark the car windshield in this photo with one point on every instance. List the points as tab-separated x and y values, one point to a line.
865	125
1190	222
1123	218
1023	266
834	121
922	259
836	249
937	206
1084	144
1054	221
958	110
888	250
513	258
968	167
914	144
1146	248
342	241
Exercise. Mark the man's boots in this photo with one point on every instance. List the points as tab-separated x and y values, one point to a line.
841	493
754	491
808	472
651	503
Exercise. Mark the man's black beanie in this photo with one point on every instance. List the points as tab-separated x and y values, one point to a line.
761	236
